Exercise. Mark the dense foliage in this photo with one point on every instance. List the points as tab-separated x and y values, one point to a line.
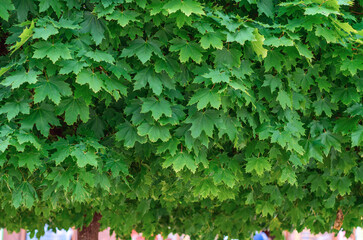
192	116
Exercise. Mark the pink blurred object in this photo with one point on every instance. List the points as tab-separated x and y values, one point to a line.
136	236
159	237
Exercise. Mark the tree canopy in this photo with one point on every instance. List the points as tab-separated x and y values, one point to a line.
191	116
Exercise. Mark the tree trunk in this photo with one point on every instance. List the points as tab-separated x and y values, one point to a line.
90	232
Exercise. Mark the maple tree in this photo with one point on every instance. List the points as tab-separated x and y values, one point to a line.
197	117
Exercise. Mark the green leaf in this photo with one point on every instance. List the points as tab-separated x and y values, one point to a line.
217	76
242	35
185	6
224	175
275	60
148	75
99	56
5	7
288	175
24	37
187	50
72	108
123	17
273	82
84	157
12	109
42	117
304	51
342	184
326	33
259	165
202	122
212	39
257	45
179	161
4	143
29	160
93	25
86	76
53	88
128	133
69	66
45	32
154	132
323	105
79	193
352	65
53	51
45	4
157	107
228	57
320	10
357	136
143	49
278	41
266	7
204	97
20	77
284	99
25	137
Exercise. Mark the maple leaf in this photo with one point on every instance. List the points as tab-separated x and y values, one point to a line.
42	117
258	164
128	133
185	6
242	35
5	7
304	51
204	97
157	107
84	157
72	108
93	25
179	161
187	50
45	4
284	99
320	10
273	82
278	41
69	66
288	175
27	137
123	17
223	175
202	122
143	49
21	77
342	184
12	109
257	44
217	76
99	56
154	132
228	57
31	160
24	37
86	76
212	39
352	65
53	51
357	136
45	32
54	89
148	75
